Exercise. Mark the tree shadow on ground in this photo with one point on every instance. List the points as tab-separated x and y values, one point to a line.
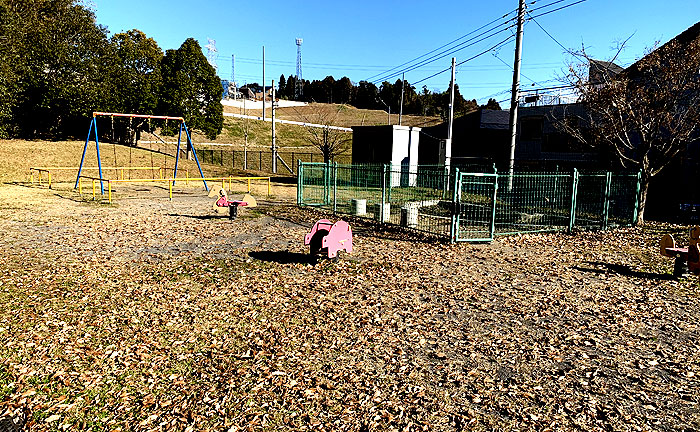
283	257
622	270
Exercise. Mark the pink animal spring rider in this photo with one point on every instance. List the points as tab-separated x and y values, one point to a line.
330	238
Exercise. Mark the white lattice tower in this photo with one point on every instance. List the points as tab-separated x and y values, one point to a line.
299	88
212	53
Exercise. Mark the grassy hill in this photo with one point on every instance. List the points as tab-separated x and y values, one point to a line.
17	156
290	136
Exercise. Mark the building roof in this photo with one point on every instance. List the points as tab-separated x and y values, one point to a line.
494	119
607	66
689	35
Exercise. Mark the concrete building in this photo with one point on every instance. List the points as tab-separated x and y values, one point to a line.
391	144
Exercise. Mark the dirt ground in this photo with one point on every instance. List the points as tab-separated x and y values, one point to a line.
153	314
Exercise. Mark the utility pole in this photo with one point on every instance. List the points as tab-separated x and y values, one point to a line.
233	75
274	143
263	83
515	92
245	144
448	143
388	114
403	82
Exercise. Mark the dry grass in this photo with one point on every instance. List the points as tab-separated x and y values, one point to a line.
348	115
17	156
295	138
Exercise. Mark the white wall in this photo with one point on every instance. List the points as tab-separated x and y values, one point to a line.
404	155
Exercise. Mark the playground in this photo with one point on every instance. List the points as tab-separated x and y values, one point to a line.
167	303
159	314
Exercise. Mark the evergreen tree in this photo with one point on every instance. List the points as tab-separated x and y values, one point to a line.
343	91
366	95
57	64
138	81
282	88
191	89
492	104
290	87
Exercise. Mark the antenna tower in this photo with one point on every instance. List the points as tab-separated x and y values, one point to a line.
211	53
299	87
233	68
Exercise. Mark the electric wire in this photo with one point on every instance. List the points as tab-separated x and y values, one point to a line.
511	68
558	9
506	40
443	46
445	53
439	56
555	40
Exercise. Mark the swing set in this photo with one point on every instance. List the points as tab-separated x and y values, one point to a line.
93	127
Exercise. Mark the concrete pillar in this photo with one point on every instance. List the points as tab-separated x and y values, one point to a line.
359	207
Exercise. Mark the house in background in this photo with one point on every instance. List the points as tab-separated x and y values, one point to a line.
481	139
478	140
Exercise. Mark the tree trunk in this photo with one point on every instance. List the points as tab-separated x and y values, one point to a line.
643	189
326	154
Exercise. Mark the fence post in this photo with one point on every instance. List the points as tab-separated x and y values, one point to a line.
300	183
233	159
495	200
390	181
445	181
574	193
335	187
606	203
326	185
260	160
381	205
454	226
635	216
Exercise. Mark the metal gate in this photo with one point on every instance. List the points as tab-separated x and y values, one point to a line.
475	205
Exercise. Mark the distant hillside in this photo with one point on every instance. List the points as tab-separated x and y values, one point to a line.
296	137
347	116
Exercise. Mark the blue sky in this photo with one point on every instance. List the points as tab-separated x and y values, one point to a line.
362	38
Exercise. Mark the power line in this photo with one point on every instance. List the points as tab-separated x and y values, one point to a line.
555	40
474	31
448	52
547	5
558	9
443	46
464	61
511	68
445	53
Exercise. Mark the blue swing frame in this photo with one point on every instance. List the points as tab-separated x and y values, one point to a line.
93	127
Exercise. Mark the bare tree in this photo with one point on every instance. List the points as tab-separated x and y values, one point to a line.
647	114
323	130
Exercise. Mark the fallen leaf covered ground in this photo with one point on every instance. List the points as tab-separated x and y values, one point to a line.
159	315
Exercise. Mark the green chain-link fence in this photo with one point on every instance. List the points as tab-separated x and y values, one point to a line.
463	206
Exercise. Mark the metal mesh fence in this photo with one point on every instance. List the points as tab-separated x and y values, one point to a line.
260	160
475	217
533	202
471	206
